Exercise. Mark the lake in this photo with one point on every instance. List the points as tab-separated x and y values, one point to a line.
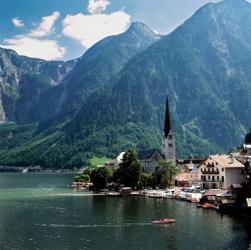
38	211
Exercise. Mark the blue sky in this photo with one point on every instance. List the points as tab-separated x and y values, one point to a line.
64	29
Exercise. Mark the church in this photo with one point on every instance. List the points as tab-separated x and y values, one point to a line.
168	147
150	159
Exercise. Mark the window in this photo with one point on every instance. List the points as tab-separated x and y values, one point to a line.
218	178
209	177
222	178
222	169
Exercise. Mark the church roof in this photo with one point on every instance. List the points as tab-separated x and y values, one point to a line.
147	154
168	125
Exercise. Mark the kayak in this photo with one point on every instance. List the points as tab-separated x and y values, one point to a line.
163	221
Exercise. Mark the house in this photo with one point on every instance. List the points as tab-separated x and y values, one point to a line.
221	171
150	159
114	164
189	175
247	145
193	159
247	149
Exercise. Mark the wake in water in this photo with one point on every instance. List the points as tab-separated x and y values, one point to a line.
94	225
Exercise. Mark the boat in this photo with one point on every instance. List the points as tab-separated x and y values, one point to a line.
160	194
163	221
113	194
207	205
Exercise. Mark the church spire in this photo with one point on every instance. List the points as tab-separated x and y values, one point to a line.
168	139
168	125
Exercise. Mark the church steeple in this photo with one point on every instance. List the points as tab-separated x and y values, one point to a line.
168	140
168	125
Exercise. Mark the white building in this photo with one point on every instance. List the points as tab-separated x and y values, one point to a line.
247	149
221	171
114	164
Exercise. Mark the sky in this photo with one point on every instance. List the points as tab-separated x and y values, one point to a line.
65	29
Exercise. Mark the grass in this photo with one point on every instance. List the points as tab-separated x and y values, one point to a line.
98	161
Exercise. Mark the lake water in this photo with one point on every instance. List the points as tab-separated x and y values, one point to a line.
38	211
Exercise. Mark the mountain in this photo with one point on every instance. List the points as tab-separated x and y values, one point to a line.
107	104
204	65
95	69
18	76
53	106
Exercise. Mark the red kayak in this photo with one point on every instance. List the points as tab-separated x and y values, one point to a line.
163	221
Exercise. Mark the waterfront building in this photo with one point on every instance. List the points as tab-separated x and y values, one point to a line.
221	171
189	175
245	157
150	160
168	150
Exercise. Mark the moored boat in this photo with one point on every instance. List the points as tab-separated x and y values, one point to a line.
113	194
160	194
163	221
207	205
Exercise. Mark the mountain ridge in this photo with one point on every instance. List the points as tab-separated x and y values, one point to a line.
204	66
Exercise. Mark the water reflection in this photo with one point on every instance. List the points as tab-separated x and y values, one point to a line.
38	212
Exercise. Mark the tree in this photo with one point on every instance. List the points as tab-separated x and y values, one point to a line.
100	177
129	170
147	180
165	172
82	178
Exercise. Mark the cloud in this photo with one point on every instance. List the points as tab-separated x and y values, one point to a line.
33	43
46	26
97	6
89	29
38	48
17	22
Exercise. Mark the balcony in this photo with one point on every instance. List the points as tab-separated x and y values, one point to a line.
212	181
212	171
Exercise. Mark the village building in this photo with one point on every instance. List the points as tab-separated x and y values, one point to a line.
193	159
245	158
168	150
149	160
189	175
114	164
246	149
221	172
